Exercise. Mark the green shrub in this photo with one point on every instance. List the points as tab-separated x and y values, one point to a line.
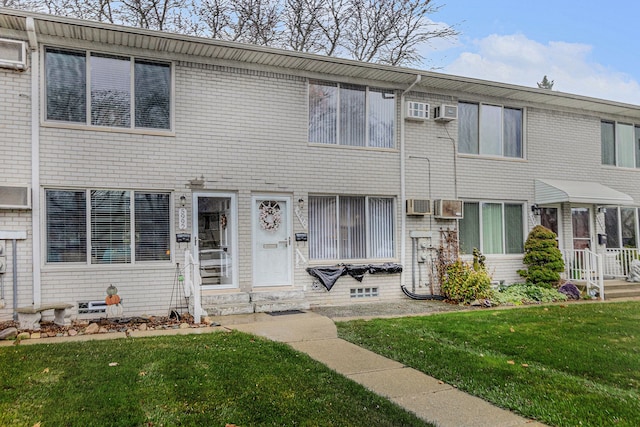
463	284
526	293
542	258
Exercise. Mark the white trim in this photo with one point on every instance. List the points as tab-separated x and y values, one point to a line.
233	201
548	191
36	212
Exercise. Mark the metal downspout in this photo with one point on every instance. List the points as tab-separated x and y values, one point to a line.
403	196
35	159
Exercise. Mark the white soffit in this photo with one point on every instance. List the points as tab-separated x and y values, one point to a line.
549	191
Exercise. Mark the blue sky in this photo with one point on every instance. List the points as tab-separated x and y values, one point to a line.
586	47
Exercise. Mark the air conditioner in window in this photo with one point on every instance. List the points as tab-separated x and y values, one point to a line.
445	113
13	197
418	207
448	209
416	111
13	54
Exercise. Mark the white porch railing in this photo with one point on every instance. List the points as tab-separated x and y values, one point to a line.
585	266
617	262
192	283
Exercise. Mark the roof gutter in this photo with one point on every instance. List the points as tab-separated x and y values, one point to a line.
35	159
403	195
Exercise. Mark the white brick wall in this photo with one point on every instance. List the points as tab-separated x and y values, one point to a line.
15	140
246	132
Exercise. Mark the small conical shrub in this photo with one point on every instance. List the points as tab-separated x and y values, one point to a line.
542	258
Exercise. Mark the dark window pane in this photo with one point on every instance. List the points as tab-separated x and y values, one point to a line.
323	108
512	132
153	95
66	83
608	143
110	91
66	226
470	228
514	229
612	228
152	226
468	141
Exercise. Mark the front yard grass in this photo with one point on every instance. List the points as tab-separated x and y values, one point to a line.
565	365
195	380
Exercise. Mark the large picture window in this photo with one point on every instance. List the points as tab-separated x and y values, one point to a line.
350	227
490	130
118	227
121	91
492	227
351	115
620	144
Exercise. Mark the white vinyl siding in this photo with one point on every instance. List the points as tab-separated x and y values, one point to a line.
351	227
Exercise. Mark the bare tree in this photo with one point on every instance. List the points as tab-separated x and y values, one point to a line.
385	31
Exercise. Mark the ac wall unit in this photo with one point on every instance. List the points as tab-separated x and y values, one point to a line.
13	54
13	197
445	113
418	207
448	209
416	111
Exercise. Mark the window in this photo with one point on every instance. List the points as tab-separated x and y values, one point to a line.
621	226
620	144
350	227
492	227
120	91
351	115
118	227
490	130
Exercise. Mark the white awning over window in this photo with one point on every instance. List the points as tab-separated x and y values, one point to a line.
549	191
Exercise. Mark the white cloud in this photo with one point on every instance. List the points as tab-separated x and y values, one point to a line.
518	60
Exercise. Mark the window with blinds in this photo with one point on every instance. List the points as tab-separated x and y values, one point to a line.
352	115
110	98
492	227
107	226
349	227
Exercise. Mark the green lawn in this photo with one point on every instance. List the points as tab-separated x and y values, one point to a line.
565	365
196	380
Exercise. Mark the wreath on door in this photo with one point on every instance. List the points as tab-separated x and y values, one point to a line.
269	215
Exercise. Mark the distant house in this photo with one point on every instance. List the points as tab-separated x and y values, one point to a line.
149	160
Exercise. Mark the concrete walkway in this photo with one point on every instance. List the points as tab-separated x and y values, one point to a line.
430	399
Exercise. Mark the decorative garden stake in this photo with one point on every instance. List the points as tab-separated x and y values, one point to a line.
113	301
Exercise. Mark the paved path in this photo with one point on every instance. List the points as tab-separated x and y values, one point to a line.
430	399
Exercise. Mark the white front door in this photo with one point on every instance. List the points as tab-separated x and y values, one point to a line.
272	241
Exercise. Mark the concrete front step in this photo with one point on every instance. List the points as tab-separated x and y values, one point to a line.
224	304
617	289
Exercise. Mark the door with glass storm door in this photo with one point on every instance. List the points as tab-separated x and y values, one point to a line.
271	241
214	220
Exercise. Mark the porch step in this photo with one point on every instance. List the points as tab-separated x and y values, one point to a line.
269	301
227	304
618	289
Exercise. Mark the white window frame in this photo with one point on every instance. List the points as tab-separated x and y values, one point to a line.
132	229
478	125
87	123
635	128
636	225
504	225
367	90
368	249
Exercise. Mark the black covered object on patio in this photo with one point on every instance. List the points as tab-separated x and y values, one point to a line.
327	275
357	271
387	267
